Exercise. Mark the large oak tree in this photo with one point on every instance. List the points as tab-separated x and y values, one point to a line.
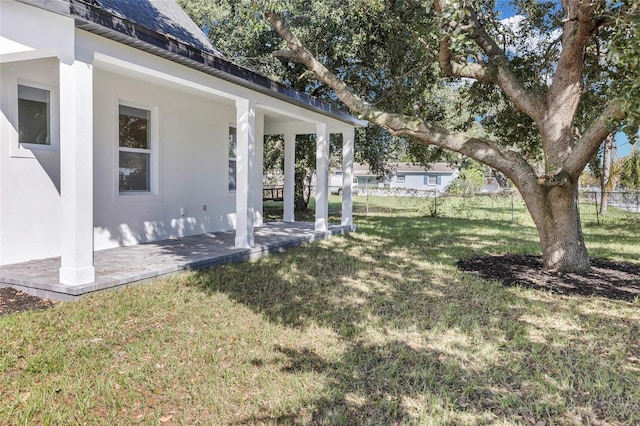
549	85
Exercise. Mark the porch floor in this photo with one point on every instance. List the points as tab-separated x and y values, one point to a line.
133	264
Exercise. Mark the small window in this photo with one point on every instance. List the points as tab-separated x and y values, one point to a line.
134	156
34	115
400	178
233	146
431	180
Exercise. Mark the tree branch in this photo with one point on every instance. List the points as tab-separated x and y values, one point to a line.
527	101
284	53
497	70
478	71
591	139
578	26
511	163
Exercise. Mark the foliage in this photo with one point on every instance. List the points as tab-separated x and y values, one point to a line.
348	39
469	181
624	54
631	171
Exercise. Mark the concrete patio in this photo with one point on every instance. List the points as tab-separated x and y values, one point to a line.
134	264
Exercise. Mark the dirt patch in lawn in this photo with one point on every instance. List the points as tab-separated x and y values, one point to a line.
613	280
12	300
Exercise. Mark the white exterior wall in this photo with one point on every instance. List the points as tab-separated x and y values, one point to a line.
30	195
191	148
191	165
30	42
191	113
27	32
416	181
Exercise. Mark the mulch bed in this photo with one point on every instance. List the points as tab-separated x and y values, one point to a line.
609	279
12	300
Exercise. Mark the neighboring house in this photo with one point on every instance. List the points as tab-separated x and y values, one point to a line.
437	177
490	183
121	123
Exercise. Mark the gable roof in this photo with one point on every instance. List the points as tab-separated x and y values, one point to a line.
173	36
164	17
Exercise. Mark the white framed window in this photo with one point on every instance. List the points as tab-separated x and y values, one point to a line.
431	180
232	156
34	115
36	118
136	149
400	178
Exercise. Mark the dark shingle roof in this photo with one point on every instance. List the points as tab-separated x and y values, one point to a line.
162	16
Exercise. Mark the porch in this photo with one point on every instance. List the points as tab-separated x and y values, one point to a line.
128	265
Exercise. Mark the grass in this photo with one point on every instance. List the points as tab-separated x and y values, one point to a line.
377	327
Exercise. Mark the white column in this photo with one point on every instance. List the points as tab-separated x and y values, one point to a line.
245	133
322	178
288	214
347	176
76	171
257	171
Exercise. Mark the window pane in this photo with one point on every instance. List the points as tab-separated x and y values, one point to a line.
134	127
134	171
33	115
232	175
232	142
433	180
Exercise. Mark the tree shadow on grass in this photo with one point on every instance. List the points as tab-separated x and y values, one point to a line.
448	345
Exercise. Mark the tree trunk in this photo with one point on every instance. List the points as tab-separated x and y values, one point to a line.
557	217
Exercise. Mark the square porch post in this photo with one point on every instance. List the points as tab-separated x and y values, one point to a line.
76	170
288	214
322	178
347	176
245	133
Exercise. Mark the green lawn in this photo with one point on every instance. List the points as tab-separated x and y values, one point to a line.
377	327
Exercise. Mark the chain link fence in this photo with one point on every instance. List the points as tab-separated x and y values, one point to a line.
617	204
505	205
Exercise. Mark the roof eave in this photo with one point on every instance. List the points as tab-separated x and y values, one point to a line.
105	24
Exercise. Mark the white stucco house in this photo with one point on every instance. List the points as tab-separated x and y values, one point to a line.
121	123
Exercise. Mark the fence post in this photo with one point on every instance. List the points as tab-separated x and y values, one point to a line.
435	204
513	219
595	197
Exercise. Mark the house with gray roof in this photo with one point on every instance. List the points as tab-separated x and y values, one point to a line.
435	177
121	123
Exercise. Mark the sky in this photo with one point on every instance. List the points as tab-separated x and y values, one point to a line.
505	8
624	147
622	142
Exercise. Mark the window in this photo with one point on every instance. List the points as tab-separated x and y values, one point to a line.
34	115
431	180
233	145
400	178
134	150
